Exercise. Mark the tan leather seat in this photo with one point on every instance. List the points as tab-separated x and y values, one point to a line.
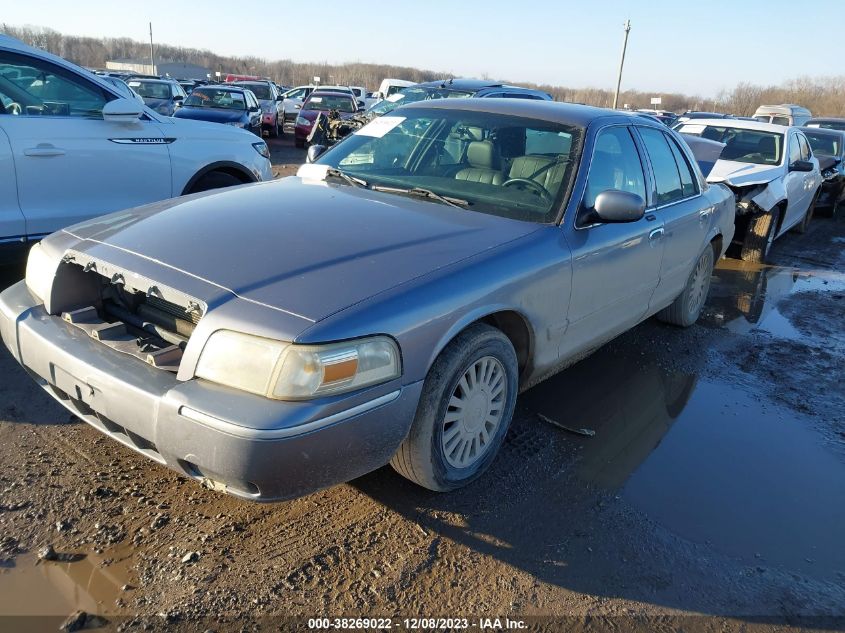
480	156
542	169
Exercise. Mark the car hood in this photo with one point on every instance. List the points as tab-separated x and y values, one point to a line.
216	115
302	246
743	174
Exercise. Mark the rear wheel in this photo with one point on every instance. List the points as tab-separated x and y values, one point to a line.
760	235
215	180
465	410
686	308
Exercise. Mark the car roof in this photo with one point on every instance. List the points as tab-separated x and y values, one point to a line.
247	82
825	119
462	84
153	81
822	131
332	93
740	124
552	111
229	86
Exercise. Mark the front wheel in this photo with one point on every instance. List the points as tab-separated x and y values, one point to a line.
686	308
276	130
760	235
300	143
215	180
465	410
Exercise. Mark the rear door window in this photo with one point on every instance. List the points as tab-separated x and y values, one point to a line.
667	179
689	182
615	165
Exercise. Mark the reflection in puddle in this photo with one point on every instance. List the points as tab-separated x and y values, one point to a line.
35	587
708	461
744	296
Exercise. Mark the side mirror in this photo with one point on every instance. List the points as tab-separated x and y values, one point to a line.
122	111
361	105
619	206
280	98
298	106
314	152
179	98
254	109
802	165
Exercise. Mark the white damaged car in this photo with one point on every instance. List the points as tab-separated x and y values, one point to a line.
773	174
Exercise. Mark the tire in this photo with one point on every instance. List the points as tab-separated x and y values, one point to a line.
804	224
215	180
275	131
300	143
438	452
759	236
686	308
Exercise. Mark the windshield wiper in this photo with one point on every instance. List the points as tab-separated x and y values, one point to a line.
352	180
460	203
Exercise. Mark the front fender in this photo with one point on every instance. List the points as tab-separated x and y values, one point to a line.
773	194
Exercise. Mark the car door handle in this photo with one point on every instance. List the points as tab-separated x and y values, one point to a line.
44	150
655	234
705	213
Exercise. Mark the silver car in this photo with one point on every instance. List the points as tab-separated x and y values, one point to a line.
386	305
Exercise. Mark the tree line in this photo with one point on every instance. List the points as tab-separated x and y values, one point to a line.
824	96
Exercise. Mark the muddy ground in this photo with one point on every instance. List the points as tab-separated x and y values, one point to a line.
712	495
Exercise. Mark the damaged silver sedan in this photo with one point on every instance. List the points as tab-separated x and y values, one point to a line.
386	305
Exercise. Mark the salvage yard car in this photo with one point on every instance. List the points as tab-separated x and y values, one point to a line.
828	146
74	146
773	174
272	112
323	100
385	305
165	96
223	103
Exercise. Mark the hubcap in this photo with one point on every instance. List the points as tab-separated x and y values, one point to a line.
474	412
700	285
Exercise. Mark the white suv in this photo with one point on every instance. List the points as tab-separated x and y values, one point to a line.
72	146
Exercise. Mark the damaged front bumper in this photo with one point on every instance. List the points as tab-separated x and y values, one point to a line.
239	443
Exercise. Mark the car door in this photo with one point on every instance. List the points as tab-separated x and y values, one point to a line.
253	111
615	267
795	186
677	202
12	225
70	163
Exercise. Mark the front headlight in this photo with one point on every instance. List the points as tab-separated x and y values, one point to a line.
236	124
163	109
301	120
297	372
40	271
261	148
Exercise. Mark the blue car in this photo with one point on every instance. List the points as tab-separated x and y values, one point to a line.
232	105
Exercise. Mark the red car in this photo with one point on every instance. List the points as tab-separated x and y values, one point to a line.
322	101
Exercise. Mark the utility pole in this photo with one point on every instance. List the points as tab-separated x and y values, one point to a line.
152	59
621	64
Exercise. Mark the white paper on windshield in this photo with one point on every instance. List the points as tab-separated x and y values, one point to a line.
134	84
312	171
692	128
316	99
381	126
396	96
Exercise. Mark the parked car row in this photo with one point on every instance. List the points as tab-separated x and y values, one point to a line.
386	304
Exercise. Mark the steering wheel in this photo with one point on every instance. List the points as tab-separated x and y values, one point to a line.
535	186
14	108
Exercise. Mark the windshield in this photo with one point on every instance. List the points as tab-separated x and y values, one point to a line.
499	164
742	146
151	89
825	144
216	98
412	95
830	125
261	91
326	102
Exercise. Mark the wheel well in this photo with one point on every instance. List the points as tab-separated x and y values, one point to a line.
232	169
716	244
513	325
782	206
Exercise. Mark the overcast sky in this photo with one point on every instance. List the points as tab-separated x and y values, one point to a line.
692	47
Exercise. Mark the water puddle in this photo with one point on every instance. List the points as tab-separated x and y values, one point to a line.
709	461
744	297
45	588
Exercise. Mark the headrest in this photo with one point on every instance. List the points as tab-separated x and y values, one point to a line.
480	154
